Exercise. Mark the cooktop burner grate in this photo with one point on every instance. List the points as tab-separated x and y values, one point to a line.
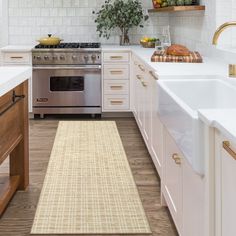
70	45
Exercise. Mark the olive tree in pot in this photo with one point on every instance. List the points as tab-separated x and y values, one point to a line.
122	14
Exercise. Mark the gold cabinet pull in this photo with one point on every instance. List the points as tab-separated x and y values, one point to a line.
226	146
116	72
116	57
141	68
144	83
139	77
116	102
153	75
176	158
116	87
19	57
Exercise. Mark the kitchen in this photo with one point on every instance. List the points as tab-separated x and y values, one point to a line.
174	122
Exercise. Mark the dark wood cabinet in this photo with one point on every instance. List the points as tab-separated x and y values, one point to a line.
14	142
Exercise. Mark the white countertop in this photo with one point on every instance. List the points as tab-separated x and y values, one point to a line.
18	48
210	66
223	119
10	77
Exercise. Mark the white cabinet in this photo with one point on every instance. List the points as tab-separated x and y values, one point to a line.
144	107
225	186
172	185
156	145
183	190
116	82
16	57
142	99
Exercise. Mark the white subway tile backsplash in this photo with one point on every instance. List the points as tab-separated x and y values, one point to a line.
71	20
196	29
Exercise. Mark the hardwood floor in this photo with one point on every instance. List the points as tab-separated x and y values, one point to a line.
17	219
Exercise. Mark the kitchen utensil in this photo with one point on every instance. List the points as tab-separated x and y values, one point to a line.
50	41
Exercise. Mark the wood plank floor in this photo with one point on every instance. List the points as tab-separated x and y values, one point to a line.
17	219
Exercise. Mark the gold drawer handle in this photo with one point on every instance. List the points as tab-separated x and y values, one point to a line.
144	83
141	68
116	72
139	77
116	102
116	57
176	158
116	87
153	75
17	57
226	146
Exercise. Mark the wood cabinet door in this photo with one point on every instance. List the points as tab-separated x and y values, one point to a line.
172	179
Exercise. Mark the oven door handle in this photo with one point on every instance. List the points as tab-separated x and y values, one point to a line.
67	67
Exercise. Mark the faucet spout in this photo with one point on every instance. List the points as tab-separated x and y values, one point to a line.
221	29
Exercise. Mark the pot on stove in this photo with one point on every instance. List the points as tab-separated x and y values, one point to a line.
50	41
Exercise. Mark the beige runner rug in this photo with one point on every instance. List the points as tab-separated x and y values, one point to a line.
89	187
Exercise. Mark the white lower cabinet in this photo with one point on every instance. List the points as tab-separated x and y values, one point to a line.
116	82
145	106
172	184
225	186
182	188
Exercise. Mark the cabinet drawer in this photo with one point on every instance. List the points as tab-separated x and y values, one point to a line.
116	57
116	102
116	87
116	71
16	58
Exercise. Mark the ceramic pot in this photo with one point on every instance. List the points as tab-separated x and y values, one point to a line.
50	41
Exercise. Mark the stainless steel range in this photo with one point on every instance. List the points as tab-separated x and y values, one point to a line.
67	79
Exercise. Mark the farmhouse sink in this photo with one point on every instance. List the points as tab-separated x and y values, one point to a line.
178	103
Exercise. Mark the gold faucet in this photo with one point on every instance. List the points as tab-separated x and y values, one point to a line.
232	67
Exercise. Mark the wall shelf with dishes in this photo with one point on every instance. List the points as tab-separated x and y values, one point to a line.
178	8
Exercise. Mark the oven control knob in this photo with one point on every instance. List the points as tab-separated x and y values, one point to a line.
86	57
94	57
46	58
74	57
62	57
38	58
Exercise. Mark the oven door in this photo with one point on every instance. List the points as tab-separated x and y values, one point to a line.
67	86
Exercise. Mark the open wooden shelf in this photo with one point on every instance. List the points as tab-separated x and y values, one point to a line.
178	8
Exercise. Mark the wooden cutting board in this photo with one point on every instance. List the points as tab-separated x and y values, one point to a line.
161	56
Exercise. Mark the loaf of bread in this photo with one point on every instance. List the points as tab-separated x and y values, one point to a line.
177	50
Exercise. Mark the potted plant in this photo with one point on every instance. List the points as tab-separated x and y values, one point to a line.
122	14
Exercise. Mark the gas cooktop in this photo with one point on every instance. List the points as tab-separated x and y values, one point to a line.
70	46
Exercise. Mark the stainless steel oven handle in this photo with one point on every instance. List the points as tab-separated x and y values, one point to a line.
67	68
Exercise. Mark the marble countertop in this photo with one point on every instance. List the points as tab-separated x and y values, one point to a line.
10	77
210	66
17	48
221	119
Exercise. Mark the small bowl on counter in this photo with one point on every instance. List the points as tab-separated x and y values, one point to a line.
148	44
